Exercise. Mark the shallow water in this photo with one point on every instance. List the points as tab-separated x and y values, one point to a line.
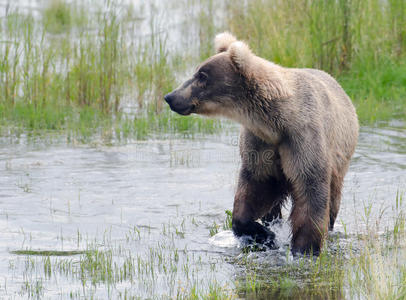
175	21
58	197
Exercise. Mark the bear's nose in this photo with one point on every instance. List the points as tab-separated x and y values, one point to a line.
168	98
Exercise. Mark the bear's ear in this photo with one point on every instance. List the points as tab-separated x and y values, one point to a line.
240	55
222	41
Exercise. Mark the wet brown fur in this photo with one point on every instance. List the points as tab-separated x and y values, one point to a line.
299	131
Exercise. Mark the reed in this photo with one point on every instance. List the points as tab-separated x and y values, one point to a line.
71	69
362	43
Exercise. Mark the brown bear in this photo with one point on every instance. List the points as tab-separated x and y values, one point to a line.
299	131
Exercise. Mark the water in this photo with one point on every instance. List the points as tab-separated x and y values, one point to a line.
58	197
175	21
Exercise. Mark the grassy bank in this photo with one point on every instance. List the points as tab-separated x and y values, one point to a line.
362	43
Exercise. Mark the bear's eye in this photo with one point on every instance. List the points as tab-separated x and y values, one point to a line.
202	76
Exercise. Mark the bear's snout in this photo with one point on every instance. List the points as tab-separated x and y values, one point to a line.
168	98
179	104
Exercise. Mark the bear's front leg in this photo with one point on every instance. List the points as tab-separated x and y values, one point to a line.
252	201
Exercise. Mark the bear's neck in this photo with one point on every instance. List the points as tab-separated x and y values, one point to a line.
261	118
262	130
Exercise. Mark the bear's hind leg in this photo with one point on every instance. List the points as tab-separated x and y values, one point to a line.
308	228
310	190
277	198
310	215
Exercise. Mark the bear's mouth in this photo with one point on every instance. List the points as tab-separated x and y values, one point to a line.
184	111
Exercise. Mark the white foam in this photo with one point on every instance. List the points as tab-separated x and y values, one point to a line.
224	239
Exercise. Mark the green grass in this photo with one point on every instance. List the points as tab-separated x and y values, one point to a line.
379	93
70	71
227	224
361	43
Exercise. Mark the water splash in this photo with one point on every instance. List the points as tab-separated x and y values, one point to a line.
225	239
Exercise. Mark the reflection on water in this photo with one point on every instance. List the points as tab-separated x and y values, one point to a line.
53	193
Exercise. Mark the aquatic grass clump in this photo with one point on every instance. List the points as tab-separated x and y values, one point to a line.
37	69
136	267
362	43
296	278
379	269
96	60
227	224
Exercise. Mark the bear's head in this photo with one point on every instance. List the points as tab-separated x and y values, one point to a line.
227	83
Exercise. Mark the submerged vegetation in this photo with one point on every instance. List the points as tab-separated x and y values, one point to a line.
360	42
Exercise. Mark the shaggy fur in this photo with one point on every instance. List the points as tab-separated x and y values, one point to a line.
299	131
